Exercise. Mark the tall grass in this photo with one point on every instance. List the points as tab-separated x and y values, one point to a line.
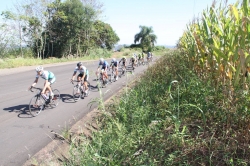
170	117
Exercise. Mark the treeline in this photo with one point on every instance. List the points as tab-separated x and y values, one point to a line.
55	28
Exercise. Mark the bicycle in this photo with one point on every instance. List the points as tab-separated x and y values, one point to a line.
101	82
141	62
132	65
79	90
112	76
122	71
40	101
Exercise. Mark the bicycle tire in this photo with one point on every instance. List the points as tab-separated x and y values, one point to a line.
36	105
76	93
56	98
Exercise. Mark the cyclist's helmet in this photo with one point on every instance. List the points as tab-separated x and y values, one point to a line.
124	57
113	60
79	64
39	68
101	60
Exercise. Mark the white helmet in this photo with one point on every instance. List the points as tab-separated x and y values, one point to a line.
113	60
101	60
39	68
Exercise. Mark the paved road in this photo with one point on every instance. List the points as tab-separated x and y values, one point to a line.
21	135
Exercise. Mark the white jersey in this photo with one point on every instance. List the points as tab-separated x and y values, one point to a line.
47	75
82	70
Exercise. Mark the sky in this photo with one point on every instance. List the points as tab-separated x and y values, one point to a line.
168	18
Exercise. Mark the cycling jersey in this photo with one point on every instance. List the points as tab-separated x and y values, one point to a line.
123	60
104	65
47	75
82	70
115	63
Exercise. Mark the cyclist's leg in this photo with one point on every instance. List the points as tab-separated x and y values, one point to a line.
97	73
86	84
51	81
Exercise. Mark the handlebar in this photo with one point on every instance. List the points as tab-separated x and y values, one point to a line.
32	87
72	81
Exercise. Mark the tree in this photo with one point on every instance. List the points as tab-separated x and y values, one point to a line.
103	35
146	38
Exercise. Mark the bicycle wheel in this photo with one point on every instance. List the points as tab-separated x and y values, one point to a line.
36	105
56	98
76	93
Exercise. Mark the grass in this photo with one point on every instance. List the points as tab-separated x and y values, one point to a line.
170	117
94	55
18	62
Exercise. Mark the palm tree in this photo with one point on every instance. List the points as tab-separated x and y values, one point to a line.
146	38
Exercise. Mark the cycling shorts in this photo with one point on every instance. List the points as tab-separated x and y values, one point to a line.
85	78
52	80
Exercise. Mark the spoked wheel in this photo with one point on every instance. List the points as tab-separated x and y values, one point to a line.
76	93
56	98
36	105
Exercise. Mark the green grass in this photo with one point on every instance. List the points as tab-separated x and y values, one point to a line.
18	62
94	55
170	117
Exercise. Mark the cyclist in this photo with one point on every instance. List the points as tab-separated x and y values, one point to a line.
104	64
82	76
132	60
124	61
114	64
49	80
139	57
149	55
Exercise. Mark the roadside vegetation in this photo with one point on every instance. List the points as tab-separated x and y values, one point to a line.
190	108
169	117
12	62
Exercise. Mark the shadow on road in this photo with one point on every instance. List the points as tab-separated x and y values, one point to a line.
22	110
67	98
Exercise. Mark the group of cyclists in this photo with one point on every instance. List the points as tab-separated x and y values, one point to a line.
83	75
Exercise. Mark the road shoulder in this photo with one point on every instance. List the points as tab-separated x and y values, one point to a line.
58	149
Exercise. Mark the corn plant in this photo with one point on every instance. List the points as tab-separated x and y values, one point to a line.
217	45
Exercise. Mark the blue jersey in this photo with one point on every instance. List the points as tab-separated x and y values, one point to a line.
104	64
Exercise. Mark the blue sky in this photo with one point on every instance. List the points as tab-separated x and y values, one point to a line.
167	17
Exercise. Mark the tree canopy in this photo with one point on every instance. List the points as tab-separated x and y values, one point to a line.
146	38
59	28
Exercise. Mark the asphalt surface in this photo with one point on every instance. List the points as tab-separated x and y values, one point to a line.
21	135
